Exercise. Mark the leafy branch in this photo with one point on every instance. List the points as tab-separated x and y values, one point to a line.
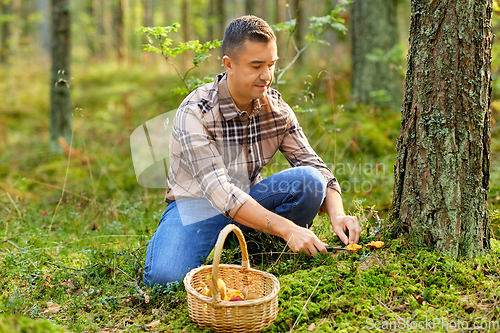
159	42
317	26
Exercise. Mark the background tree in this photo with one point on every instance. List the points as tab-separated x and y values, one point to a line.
118	29
374	34
5	7
60	102
299	26
148	22
220	18
442	171
249	7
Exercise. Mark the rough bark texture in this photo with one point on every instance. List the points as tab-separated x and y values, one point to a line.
5	34
60	101
374	26
442	170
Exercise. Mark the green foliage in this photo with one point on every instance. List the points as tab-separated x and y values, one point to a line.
159	42
17	323
317	27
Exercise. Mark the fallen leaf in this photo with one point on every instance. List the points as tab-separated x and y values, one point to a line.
311	327
68	284
52	308
153	324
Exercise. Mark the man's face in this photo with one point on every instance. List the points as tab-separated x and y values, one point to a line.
251	74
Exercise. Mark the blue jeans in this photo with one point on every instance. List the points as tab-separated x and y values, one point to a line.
189	228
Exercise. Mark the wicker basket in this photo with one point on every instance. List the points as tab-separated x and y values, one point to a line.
242	316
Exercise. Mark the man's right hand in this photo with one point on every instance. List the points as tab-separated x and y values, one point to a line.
300	239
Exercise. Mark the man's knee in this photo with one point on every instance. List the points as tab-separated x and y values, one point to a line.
154	277
313	182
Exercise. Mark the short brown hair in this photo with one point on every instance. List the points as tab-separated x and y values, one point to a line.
244	28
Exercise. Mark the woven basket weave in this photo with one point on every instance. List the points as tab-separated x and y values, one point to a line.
242	316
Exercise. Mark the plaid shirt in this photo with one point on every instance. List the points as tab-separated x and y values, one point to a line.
217	153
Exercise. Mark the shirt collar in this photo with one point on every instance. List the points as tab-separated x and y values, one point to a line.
227	106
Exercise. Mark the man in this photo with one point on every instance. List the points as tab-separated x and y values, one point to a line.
223	134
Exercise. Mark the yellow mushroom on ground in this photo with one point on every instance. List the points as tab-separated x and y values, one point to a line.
375	245
353	247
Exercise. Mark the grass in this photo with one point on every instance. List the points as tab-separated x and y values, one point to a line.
82	252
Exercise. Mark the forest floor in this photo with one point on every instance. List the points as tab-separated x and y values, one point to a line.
74	228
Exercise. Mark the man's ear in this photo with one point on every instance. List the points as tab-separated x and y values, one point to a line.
228	64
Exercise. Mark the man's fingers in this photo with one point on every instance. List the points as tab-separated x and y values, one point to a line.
338	229
354	230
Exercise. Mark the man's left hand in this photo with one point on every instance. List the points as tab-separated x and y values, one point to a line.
347	228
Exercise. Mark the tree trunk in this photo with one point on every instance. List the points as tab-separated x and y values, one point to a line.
186	23
6	8
91	31
281	36
118	28
442	170
99	26
220	15
250	7
374	31
299	27
211	20
60	101
148	22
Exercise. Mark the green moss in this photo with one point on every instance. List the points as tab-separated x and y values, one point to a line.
21	324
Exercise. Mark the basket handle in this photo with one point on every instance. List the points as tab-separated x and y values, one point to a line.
218	251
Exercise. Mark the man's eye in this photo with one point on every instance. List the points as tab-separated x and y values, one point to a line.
256	67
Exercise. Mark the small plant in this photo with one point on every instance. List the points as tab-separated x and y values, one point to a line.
159	42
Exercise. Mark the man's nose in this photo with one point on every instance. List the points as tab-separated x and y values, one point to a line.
266	75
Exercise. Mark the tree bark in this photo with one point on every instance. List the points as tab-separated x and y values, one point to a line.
6	8
60	101
442	170
374	26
